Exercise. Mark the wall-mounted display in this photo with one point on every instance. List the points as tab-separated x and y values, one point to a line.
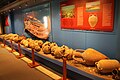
37	21
7	26
95	15
6	21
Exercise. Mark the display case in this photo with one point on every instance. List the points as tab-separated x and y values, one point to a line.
75	71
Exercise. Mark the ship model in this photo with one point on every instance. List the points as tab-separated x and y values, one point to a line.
35	27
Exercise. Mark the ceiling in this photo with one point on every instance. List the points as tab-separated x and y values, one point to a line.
5	2
7	6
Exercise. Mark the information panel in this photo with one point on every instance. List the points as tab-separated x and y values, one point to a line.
95	15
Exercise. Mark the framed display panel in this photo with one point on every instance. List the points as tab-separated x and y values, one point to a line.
95	15
37	21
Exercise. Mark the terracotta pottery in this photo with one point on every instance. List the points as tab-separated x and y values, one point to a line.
40	43
37	48
69	54
107	65
90	56
53	49
53	44
46	49
47	43
77	54
116	74
58	53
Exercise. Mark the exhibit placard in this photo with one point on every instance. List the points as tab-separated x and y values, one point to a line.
95	15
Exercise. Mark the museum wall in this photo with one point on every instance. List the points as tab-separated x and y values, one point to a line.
118	31
18	23
105	42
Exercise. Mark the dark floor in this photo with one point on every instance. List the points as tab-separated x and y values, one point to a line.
12	68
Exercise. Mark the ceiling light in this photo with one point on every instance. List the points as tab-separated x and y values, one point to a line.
13	9
26	4
19	6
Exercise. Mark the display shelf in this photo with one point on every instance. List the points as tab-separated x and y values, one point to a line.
1	39
74	71
8	43
15	45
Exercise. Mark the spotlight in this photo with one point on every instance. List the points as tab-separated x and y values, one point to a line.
26	4
13	9
19	6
